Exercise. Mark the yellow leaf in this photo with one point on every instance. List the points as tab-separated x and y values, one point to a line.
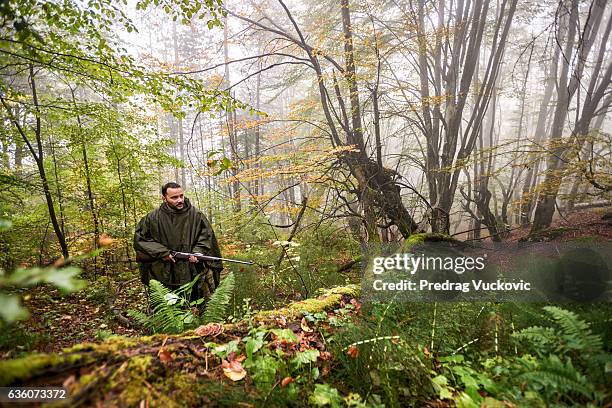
234	370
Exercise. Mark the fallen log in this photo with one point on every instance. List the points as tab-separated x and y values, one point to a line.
200	367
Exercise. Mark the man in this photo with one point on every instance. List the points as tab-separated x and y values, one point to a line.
177	226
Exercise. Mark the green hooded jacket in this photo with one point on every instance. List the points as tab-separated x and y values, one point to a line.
167	229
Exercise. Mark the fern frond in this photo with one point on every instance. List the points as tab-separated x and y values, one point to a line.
542	339
555	376
166	318
141	318
217	305
576	333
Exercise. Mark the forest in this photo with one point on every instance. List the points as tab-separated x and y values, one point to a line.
335	148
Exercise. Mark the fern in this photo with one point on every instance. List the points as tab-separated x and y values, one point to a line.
217	305
557	377
141	318
542	339
169	315
575	333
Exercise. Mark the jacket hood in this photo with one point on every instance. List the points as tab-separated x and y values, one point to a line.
167	209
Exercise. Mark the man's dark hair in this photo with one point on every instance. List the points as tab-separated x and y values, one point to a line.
166	186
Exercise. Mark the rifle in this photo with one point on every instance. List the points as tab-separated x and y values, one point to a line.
183	256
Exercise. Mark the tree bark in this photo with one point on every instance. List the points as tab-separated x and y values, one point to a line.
38	156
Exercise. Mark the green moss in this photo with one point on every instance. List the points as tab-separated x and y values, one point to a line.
182	388
87	379
26	367
121	342
349	290
417	239
129	379
137	366
84	381
413	240
328	300
81	347
547	234
112	344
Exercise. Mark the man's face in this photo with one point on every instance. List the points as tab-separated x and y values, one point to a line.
174	197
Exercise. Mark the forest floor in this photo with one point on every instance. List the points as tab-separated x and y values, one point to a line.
58	321
579	224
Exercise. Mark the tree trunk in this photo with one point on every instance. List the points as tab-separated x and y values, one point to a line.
38	156
561	155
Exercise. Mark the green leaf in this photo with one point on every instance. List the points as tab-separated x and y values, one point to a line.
284	334
254	343
325	395
64	278
226	163
264	370
11	309
440	383
305	357
5	225
171	298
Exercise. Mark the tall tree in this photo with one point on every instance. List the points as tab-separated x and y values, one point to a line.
577	46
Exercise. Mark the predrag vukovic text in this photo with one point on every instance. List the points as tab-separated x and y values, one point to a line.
447	285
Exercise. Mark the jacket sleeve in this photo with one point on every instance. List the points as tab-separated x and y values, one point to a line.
144	242
207	243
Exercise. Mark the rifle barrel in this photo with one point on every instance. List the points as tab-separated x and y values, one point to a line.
186	255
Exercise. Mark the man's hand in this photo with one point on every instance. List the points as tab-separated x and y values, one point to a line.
169	258
193	259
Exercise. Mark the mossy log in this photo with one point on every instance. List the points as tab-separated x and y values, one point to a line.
159	370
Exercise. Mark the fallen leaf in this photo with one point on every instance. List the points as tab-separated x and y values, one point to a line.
164	356
353	351
59	262
356	303
325	355
105	240
304	326
68	382
286	381
233	370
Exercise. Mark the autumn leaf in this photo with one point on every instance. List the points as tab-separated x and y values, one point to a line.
164	356
356	303
353	351
59	262
286	381
304	326
105	240
233	370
